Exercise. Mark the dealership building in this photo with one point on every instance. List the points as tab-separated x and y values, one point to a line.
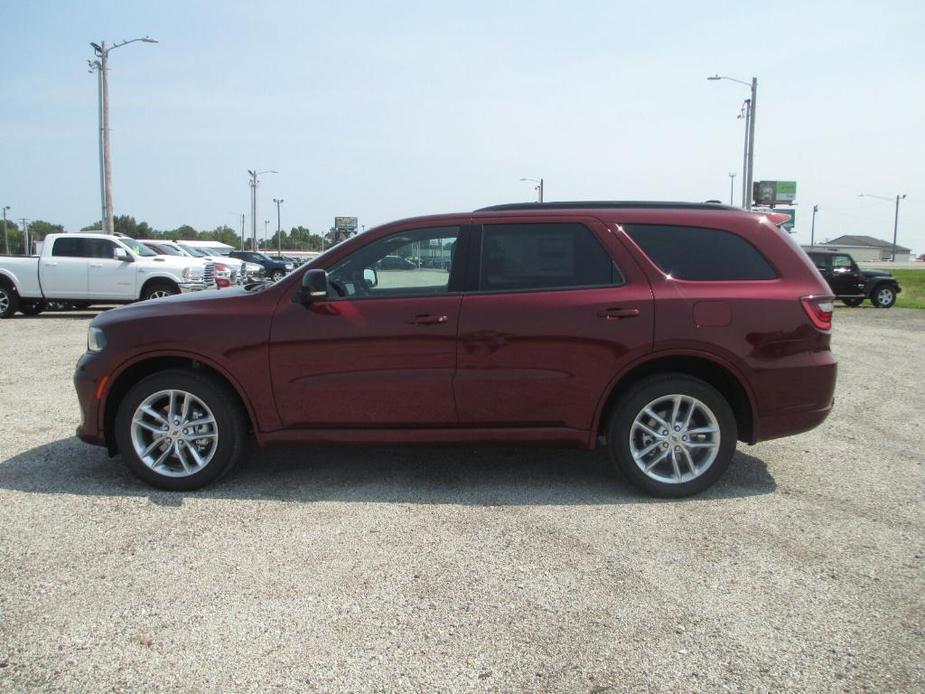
864	248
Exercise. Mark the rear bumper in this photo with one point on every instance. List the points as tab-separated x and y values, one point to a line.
804	397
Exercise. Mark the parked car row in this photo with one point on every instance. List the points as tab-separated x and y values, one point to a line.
75	271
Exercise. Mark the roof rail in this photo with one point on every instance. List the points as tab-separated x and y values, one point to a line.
609	204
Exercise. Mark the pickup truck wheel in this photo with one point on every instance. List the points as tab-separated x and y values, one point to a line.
853	303
179	430
9	301
158	290
672	435
883	296
33	309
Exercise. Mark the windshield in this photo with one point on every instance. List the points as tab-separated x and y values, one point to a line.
136	247
261	256
217	250
195	252
164	249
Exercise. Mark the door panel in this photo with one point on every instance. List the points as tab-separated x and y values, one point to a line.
545	357
365	362
64	277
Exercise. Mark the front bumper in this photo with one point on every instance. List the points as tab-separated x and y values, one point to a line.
187	287
87	384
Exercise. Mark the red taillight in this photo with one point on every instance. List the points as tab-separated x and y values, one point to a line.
819	311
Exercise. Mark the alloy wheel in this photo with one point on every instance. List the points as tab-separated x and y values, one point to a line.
674	439
4	301
174	433
885	296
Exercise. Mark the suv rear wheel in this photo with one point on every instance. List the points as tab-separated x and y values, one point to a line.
179	430
672	435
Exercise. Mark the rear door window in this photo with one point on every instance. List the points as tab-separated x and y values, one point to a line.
70	248
524	257
698	253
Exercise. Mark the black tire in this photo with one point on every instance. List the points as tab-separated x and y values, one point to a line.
277	275
883	296
9	301
642	394
853	303
230	427
31	309
156	290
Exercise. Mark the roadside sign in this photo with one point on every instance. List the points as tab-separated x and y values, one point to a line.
773	193
346	224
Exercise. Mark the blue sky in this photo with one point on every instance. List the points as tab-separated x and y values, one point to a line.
385	110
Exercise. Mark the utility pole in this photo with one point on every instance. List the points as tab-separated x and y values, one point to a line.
732	176
242	231
266	225
25	235
101	66
896	225
6	241
538	187
279	236
812	229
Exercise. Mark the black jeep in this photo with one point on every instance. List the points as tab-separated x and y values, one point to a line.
851	284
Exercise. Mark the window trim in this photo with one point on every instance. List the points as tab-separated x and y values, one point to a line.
474	277
460	259
665	275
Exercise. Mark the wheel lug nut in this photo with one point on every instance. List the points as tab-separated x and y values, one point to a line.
665	445
684	438
677	427
665	433
677	449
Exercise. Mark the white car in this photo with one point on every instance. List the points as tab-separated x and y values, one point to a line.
214	252
85	269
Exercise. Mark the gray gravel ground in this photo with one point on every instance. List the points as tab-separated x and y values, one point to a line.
509	570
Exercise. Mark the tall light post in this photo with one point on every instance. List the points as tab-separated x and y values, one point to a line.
6	241
538	188
895	216
101	67
812	228
750	136
25	235
732	176
279	236
253	183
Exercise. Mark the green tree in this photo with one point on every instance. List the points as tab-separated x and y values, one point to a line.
223	234
12	238
39	229
124	224
93	226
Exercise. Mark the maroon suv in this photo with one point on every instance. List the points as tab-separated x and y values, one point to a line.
670	330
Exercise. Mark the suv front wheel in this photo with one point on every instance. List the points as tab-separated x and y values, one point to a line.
883	296
672	435
179	430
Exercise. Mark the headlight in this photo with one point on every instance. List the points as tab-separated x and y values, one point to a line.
96	341
288	266
192	273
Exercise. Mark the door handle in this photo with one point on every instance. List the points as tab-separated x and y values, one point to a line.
618	313
427	319
51	264
94	265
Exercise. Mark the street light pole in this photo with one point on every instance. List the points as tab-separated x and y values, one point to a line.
538	187
749	136
253	183
895	216
101	66
242	231
266	225
732	176
812	229
279	237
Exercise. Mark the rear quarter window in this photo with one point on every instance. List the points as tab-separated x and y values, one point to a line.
699	253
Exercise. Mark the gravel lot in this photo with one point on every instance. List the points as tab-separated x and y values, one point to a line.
507	570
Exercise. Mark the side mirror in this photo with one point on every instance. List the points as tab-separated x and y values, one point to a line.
314	287
121	254
822	268
370	276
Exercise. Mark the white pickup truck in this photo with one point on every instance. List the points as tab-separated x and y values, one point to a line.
85	269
